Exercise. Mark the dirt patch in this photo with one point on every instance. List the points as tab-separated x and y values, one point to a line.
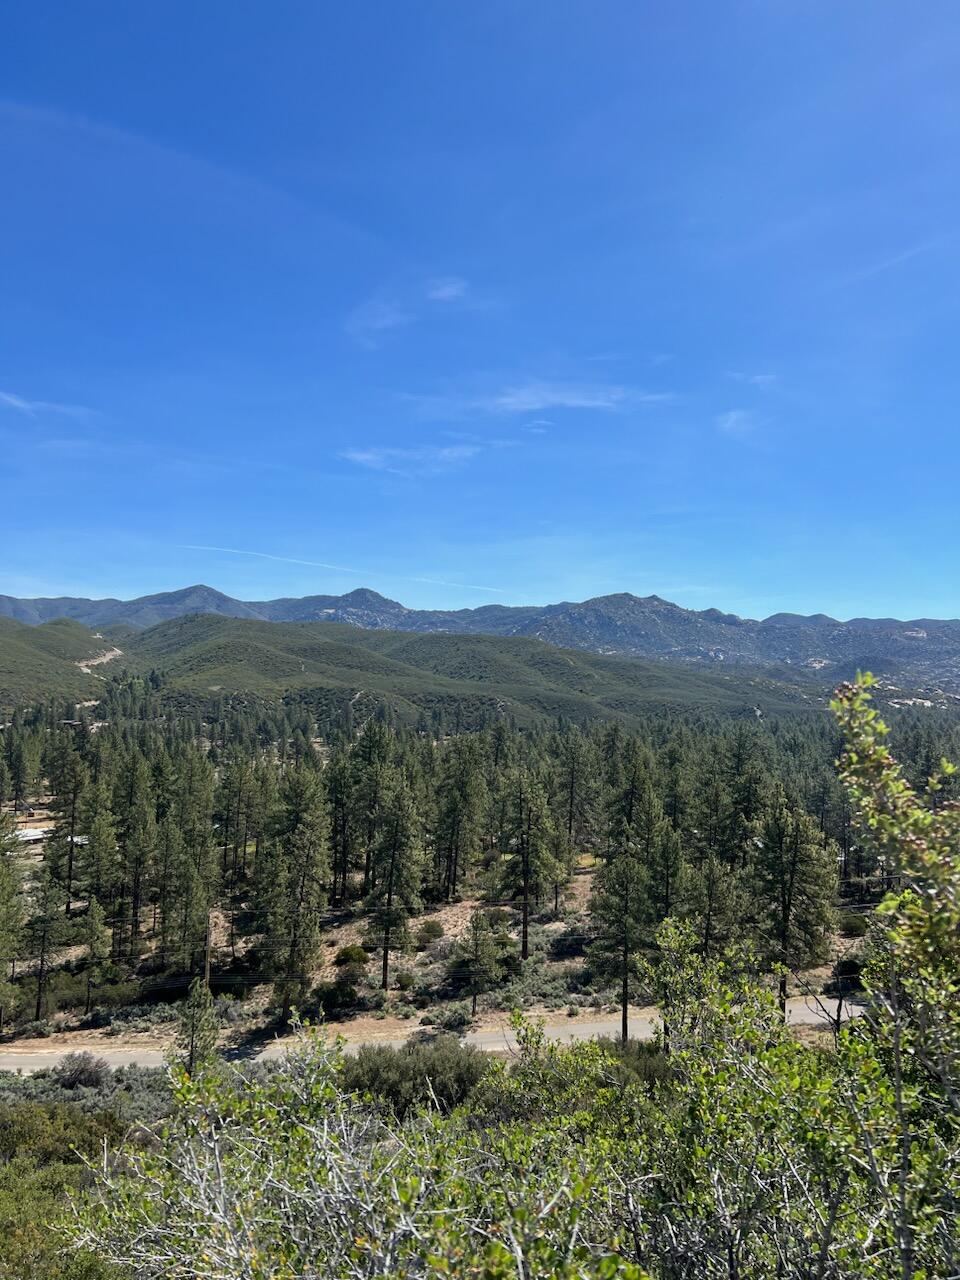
99	659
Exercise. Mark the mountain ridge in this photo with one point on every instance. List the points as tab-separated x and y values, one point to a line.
621	624
348	673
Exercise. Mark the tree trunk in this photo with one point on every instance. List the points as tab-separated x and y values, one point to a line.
625	996
385	979
41	977
73	829
525	925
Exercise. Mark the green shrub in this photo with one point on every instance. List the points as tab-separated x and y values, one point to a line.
569	942
441	1072
53	1133
430	931
405	980
500	918
41	1151
81	1070
637	1061
854	924
455	1018
351	955
334	998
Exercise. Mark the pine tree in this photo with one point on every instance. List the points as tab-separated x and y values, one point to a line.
199	1029
136	844
395	871
620	916
678	783
714	897
19	773
173	874
70	778
299	866
45	930
338	780
198	881
462	801
577	790
529	869
11	914
480	958
372	760
100	870
96	937
665	867
796	883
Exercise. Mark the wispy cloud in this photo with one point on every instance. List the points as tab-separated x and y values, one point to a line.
537	396
426	460
447	289
35	408
887	264
529	397
338	568
761	380
737	423
368	322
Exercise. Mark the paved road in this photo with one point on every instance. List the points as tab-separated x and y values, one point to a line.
801	1011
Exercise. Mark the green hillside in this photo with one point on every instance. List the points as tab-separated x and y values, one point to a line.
469	676
41	662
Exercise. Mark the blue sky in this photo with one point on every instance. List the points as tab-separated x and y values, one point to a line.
504	302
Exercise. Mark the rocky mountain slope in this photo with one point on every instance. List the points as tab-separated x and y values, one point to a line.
922	649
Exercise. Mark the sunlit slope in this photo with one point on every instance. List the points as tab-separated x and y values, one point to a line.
41	662
202	655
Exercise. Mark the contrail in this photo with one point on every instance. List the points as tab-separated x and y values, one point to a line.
339	568
264	555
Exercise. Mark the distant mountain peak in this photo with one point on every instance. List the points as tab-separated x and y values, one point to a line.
637	626
364	596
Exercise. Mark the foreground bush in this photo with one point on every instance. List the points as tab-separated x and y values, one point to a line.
42	1148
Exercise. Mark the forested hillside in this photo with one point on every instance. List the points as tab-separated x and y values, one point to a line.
45	661
155	823
465	678
921	650
461	681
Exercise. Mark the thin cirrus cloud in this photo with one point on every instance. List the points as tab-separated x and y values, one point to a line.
761	380
531	397
369	322
372	320
338	568
738	424
35	408
447	289
427	460
539	396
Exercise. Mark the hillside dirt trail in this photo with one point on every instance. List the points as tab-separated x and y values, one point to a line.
107	656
